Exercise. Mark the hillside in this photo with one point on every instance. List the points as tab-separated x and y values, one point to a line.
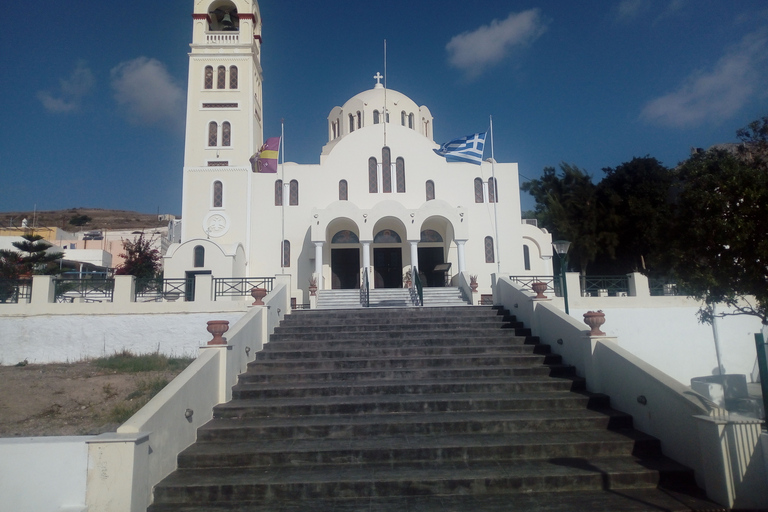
100	219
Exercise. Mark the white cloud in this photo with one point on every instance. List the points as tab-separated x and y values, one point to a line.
474	52
715	94
72	91
628	9
147	92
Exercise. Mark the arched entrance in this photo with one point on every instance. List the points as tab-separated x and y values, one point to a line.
345	260
388	259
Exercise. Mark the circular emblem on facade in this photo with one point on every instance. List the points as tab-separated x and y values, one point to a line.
216	224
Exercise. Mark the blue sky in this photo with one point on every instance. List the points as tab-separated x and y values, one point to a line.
92	98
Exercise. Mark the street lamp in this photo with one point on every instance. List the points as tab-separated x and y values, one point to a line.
561	248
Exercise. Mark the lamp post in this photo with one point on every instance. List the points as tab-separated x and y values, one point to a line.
561	248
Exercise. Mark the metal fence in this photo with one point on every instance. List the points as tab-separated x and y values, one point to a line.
605	286
86	290
157	290
14	291
240	286
552	282
660	287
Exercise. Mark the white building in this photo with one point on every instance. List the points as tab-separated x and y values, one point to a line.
380	201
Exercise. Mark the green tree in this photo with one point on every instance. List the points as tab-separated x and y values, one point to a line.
719	251
568	204
34	256
79	220
637	193
141	259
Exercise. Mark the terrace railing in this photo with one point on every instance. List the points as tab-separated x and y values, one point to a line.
365	292
552	282
87	290
660	287
604	286
14	291
156	290
240	286
419	287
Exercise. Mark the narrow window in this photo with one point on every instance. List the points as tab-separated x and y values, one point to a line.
373	180
208	83
218	194
402	118
375	117
285	257
213	134
479	190
226	134
343	190
386	170
527	257
489	253
430	190
359	120
199	256
410	121
492	190
279	193
293	197
221	82
351	123
233	77
400	174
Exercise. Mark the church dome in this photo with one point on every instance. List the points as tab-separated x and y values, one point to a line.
370	107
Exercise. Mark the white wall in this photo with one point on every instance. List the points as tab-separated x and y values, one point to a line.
56	466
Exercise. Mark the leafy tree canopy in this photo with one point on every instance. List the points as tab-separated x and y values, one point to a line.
141	259
32	257
79	220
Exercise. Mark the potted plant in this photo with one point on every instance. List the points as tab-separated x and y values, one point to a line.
312	286
408	278
473	282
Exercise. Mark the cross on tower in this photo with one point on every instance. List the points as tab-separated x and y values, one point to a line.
378	78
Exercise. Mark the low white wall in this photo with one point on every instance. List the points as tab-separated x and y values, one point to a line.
78	336
43	474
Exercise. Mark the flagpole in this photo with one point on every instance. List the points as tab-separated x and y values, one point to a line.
495	202
386	112
282	191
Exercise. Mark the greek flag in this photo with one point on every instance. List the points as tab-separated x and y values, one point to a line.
465	149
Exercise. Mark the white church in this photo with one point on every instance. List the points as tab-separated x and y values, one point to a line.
379	203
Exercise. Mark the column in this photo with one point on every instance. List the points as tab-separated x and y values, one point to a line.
460	252
367	259
414	255
319	264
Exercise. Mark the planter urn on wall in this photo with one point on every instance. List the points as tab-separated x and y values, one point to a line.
258	294
539	288
594	319
218	328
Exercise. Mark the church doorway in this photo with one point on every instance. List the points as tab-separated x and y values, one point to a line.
345	269
388	267
429	258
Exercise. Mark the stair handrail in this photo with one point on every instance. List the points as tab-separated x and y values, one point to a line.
418	286
365	293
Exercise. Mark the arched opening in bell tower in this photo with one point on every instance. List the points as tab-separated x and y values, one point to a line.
223	17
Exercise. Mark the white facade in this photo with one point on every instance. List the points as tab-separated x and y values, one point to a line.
379	202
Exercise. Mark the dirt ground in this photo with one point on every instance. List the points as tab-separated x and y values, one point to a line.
67	399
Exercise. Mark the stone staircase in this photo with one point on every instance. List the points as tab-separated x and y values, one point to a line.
428	409
389	298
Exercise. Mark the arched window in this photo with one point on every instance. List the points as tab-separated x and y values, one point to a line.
221	81
278	192
359	119
233	77
489	252
479	190
345	237
387	236
527	257
410	121
208	82
402	118
373	180
335	129
293	196
492	190
430	190
400	174
226	134
285	255
213	134
199	256
351	123
218	194
343	190
386	170
376	117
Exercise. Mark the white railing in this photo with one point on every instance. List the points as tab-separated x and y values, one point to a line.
223	38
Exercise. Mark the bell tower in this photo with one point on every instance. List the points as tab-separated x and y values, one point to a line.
224	119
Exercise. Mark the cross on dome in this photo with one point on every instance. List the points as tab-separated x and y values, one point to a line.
378	76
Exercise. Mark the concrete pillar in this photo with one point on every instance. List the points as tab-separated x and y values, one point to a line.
125	290
367	259
573	281
43	291
460	253
203	288
118	473
319	264
638	285
414	254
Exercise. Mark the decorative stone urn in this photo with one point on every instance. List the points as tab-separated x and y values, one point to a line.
539	288
258	295
594	319
218	328
473	283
